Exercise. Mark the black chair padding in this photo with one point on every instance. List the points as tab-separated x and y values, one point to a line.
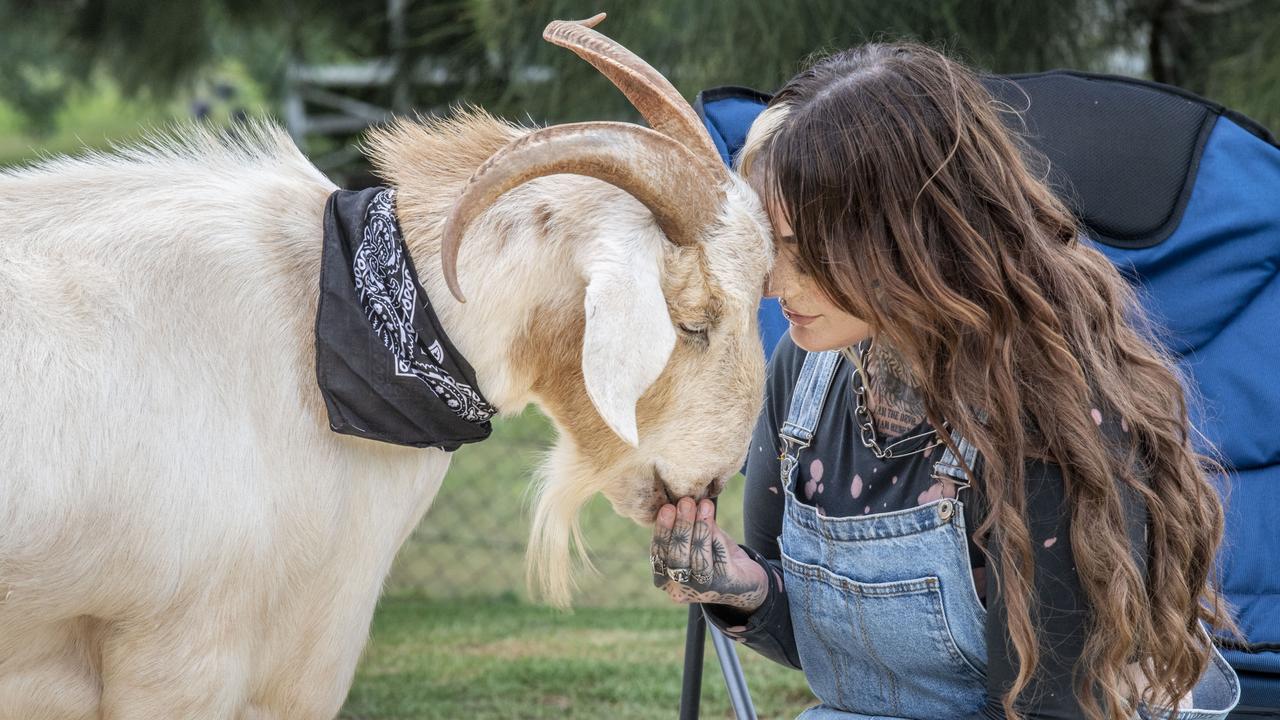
1122	152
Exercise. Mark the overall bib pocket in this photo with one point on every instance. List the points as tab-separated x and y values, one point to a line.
872	647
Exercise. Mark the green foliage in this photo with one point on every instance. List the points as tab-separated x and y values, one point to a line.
80	119
99	114
157	48
761	43
1230	52
1224	48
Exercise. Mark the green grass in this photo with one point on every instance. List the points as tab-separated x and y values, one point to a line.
458	659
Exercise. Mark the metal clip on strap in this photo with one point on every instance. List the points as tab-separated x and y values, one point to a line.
808	398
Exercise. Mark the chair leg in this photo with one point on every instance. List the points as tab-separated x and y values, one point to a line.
734	679
695	645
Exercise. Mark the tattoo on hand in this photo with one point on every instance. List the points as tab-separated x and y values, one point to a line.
698	543
719	557
725	588
714	575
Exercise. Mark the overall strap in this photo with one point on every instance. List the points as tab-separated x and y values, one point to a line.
810	394
808	397
948	465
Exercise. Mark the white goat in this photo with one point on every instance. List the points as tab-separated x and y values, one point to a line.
181	535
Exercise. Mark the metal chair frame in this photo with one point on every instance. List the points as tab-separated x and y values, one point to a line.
735	681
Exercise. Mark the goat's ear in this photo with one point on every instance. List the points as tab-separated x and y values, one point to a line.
627	342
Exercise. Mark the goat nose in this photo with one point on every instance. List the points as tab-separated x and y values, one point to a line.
714	488
710	490
671	497
662	490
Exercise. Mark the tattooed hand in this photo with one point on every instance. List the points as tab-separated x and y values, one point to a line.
695	562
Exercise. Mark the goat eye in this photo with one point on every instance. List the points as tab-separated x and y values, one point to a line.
697	331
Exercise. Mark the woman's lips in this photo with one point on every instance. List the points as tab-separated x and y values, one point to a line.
798	319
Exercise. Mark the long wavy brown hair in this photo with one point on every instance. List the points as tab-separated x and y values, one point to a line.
915	209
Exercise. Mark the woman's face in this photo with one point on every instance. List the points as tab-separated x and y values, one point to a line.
816	323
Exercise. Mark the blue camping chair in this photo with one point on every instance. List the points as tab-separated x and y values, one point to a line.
1183	196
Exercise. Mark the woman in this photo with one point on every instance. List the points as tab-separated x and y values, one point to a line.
985	504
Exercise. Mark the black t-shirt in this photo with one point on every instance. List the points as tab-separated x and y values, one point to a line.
842	477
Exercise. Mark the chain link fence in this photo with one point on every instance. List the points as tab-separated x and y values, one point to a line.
471	542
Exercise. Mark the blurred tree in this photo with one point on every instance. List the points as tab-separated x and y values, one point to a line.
491	52
1227	50
761	43
155	48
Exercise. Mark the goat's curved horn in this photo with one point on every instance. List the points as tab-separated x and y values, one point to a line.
652	94
655	169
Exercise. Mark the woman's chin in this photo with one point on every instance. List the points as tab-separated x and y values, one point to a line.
812	339
808	340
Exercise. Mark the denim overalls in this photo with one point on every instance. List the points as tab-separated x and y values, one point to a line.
886	618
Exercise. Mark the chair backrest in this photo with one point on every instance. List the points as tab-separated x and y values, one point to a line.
1183	196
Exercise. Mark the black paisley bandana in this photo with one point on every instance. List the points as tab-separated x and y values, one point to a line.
385	367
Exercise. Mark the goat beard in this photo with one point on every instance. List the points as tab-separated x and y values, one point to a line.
557	551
